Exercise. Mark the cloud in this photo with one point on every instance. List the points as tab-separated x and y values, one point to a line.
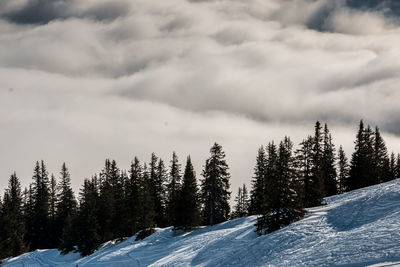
84	80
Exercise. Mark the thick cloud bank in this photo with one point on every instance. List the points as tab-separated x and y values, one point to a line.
85	80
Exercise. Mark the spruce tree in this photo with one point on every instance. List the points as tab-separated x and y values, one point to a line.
304	161
66	207
11	220
106	211
215	187
242	203
328	164
53	227
362	166
392	167
258	183
157	178
283	206
188	206
87	225
133	195
173	188
39	220
381	159
147	208
343	169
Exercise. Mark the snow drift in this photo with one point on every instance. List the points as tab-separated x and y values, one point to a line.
359	228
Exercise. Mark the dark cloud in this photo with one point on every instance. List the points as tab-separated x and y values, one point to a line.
44	11
124	77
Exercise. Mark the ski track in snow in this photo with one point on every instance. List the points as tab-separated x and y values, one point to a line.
360	228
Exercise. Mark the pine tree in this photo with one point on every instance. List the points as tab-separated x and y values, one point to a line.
173	188
328	164
133	195
304	161
106	211
11	220
215	187
381	159
53	227
147	209
258	183
241	208
157	175
66	207
392	167
362	166
87	225
39	221
188	206
397	172
283	206
343	168
314	192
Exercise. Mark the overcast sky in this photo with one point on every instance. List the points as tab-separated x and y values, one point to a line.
86	80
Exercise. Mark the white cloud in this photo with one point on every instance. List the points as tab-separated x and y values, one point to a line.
118	79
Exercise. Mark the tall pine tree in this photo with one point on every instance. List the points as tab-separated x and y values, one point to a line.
215	187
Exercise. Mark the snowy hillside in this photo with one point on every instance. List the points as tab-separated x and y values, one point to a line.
359	228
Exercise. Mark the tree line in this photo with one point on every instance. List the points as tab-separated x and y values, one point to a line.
115	203
112	204
287	181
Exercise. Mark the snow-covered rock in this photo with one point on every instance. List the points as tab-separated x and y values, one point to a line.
359	228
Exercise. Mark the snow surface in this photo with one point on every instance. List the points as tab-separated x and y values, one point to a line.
359	228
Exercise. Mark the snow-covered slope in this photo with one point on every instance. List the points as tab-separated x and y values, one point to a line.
359	228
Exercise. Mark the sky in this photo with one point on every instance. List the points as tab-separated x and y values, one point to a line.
82	81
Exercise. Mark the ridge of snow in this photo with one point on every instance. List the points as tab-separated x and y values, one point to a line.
358	228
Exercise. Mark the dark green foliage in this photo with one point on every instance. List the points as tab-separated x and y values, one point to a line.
157	179
369	161
258	183
66	207
283	206
173	189
87	225
38	219
11	220
328	165
133	196
188	206
343	168
241	208
215	187
147	211
304	158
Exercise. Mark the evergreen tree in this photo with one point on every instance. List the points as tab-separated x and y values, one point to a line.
381	160
392	167
343	168
173	188
11	220
87	225
314	192
39	222
53	227
66	207
283	206
188	206
258	183
147	209
133	195
106	211
215	187
397	172
241	208
304	161
157	175
362	167
328	164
